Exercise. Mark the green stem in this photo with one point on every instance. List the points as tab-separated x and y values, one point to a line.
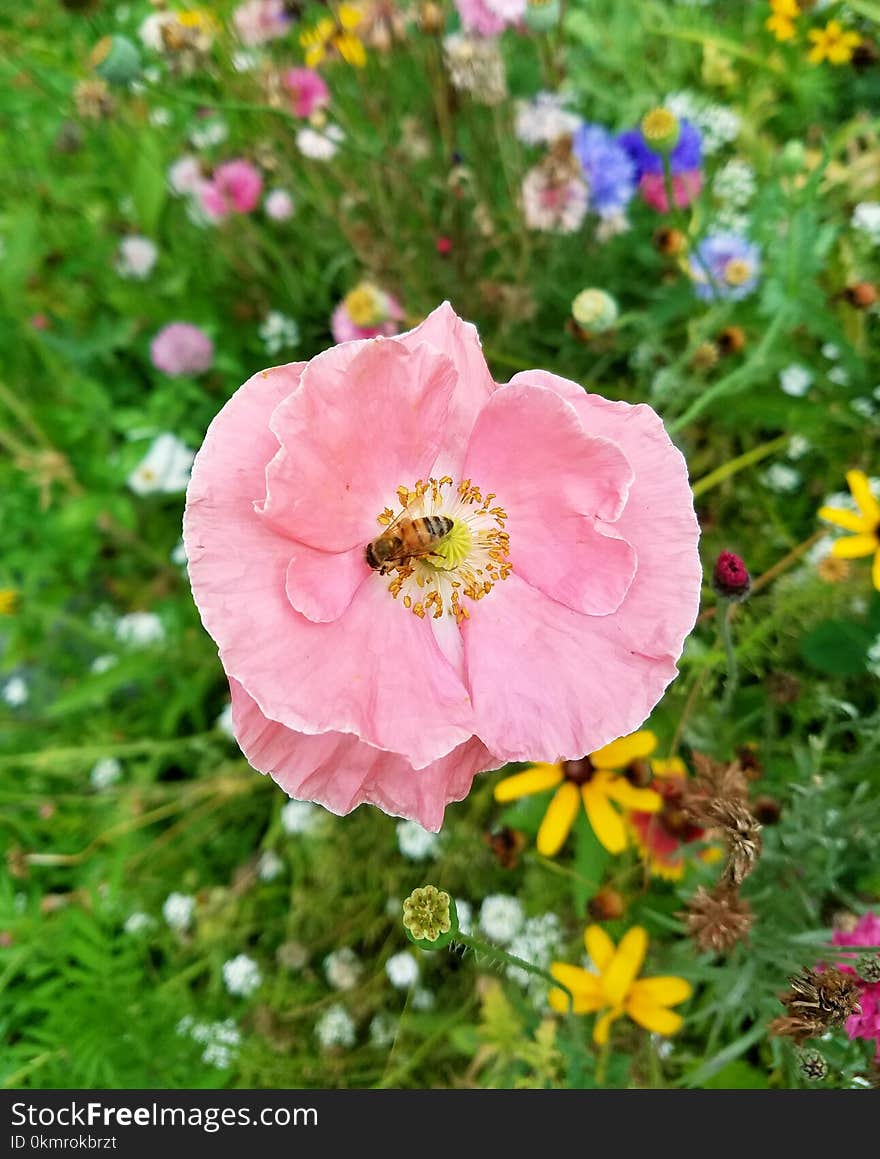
602	1062
733	466
730	686
497	956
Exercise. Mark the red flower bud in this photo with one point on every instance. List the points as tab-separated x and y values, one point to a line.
731	579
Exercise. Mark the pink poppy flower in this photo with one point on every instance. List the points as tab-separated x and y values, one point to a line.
685	187
546	622
258	21
489	17
307	89
235	187
181	348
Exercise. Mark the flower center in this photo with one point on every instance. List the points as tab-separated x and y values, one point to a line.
737	271
365	305
578	772
446	545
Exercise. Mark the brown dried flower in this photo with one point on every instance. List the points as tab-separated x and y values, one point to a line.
718	919
817	1001
717	798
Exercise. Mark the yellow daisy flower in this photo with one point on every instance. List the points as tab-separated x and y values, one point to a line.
865	524
615	991
335	37
781	23
8	601
832	43
594	780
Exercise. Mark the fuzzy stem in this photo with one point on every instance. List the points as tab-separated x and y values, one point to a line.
602	1062
730	686
498	956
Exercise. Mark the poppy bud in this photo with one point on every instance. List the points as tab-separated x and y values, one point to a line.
861	295
731	579
430	918
661	130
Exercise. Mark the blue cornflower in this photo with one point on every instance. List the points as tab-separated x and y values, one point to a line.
607	167
686	156
733	262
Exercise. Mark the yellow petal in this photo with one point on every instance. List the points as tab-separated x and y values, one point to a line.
534	780
603	1026
618	978
665	990
848	520
599	946
655	1018
669	767
558	819
585	987
620	753
854	546
350	16
605	820
857	481
641	800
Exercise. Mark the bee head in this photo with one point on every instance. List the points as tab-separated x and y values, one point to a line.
383	549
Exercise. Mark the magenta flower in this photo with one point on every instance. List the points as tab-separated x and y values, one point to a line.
307	89
490	17
545	622
865	1024
235	187
258	21
181	348
685	188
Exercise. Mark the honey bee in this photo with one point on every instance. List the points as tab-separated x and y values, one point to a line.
406	538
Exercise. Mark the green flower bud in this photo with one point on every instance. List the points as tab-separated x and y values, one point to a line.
813	1066
116	60
542	15
594	310
868	967
429	918
794	157
661	130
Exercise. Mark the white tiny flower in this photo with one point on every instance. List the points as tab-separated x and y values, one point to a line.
224	721
178	910
185	1025
105	773
241	976
159	118
211	132
269	866
15	692
544	118
138	923
136	257
422	999
178	554
402	970
735	183
383	1028
102	664
245	60
538	942
319	144
501	917
140	629
838	375
798	446
335	1028
299	817
278	205
830	351
278	332
795	380
415	842
165	468
343	968
185	175
866	219
864	407
780	477
218	1055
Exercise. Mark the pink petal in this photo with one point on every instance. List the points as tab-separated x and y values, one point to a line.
321	584
341	772
582	666
529	447
659	521
376	671
363	423
444	330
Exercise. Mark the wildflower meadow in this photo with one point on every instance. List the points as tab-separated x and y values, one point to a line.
440	571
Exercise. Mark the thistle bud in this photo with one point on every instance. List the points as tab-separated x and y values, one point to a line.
731	340
813	1066
116	60
731	579
868	967
594	310
661	130
429	918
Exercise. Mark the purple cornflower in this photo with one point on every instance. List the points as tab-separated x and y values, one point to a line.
607	167
686	156
733	262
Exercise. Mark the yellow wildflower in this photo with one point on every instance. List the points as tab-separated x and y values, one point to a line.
594	780
8	601
614	990
334	36
781	23
865	524
832	43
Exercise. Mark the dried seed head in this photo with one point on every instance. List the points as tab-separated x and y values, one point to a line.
718	919
817	1001
867	967
607	905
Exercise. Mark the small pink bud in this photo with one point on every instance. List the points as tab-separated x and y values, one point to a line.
731	579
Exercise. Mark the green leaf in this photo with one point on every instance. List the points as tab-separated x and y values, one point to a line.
737	1076
715	1064
838	647
148	188
590	860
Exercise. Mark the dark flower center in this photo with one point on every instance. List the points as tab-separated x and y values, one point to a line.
578	772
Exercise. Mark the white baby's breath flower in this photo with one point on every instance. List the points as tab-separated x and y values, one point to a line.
735	183
299	817
241	976
335	1028
866	219
136	257
798	446
382	1030
780	477
402	970
422	999
319	144
139	629
213	131
159	117
831	351
269	866
105	772
544	118
178	910
415	842
864	407
839	375
102	664
501	917
15	692
164	469
138	923
343	968
795	380
279	332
